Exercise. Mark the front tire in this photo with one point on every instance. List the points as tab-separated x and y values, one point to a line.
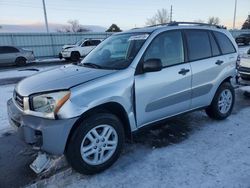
95	144
223	102
75	56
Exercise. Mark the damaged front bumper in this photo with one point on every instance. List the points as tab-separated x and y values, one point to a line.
48	135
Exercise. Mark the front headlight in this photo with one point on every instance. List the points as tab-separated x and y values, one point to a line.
50	103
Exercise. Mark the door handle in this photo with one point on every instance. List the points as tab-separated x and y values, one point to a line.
219	62
183	71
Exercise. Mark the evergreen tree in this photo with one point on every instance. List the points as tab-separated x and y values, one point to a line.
114	28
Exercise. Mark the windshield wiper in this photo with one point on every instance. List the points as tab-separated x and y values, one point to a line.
92	65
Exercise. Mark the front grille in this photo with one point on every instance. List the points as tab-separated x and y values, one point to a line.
19	99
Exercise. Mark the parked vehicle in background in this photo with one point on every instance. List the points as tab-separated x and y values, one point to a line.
16	56
131	80
80	49
244	66
243	39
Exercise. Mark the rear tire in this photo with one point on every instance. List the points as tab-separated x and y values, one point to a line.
75	56
223	102
89	149
20	61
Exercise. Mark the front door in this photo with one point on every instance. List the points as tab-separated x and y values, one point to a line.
167	92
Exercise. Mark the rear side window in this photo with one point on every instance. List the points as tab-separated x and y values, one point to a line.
225	44
214	46
198	44
9	49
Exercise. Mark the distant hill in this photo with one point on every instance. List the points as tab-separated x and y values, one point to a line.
8	28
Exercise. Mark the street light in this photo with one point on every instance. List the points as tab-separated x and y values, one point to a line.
235	9
45	16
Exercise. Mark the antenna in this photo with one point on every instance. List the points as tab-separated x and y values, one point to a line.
171	14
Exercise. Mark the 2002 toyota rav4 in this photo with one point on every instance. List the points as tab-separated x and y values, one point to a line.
130	80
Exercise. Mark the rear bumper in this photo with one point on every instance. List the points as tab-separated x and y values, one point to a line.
30	59
49	135
244	72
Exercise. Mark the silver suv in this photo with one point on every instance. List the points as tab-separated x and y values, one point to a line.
132	79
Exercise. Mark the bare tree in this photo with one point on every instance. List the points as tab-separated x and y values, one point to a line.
161	17
213	20
73	26
246	24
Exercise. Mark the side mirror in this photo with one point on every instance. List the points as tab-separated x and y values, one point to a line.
152	65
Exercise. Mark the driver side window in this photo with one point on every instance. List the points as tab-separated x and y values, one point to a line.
168	47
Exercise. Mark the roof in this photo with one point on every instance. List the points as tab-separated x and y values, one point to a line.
150	29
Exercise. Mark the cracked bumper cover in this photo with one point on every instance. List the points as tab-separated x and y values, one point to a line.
50	135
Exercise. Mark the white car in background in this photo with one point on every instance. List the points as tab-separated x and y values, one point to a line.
78	50
244	66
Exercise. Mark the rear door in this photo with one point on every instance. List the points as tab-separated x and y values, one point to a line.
207	63
167	92
227	48
87	46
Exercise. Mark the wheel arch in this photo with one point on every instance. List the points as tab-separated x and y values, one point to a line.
75	51
19	57
228	79
110	107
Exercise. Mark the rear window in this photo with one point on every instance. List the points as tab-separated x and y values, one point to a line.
198	44
96	42
225	44
214	46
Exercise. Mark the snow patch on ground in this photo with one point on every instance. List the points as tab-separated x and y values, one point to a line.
6	93
243	50
215	155
245	89
25	71
47	60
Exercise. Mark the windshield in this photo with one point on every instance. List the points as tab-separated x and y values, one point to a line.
116	52
79	43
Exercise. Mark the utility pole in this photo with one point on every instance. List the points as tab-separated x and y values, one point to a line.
235	9
171	14
45	17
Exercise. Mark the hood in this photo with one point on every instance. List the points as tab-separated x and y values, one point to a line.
61	78
69	46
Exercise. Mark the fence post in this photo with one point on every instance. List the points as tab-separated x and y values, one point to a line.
52	45
12	40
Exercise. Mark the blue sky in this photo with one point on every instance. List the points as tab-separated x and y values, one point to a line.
127	14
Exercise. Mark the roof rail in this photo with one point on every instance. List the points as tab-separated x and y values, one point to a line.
195	23
189	23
